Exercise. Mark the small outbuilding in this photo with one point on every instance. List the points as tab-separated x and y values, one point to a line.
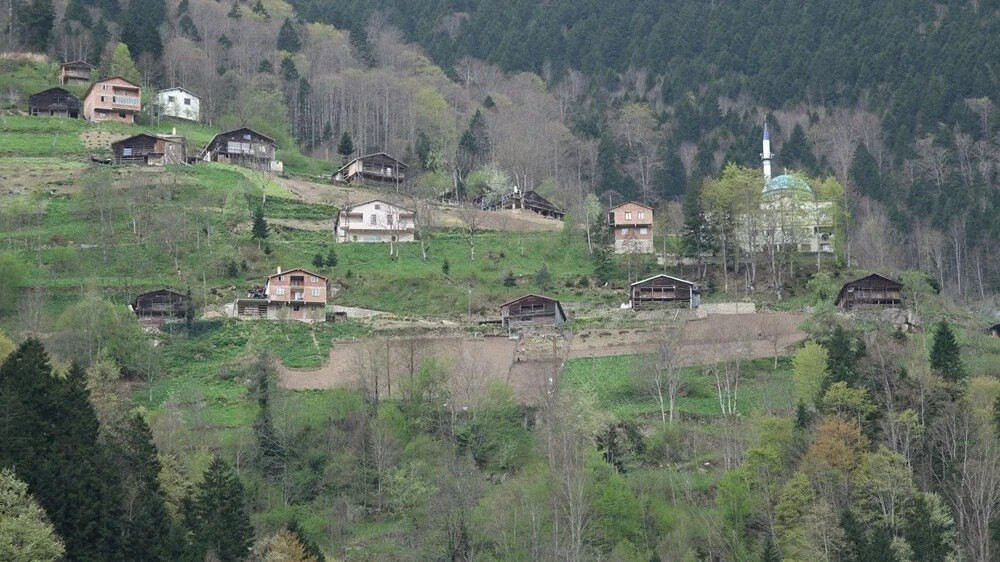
532	310
161	305
661	291
149	150
993	331
54	102
378	168
872	291
243	147
75	73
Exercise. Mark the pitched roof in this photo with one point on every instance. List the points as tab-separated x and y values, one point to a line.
349	208
529	295
163	290
294	269
47	90
353	160
178	88
692	283
843	289
156	137
77	63
631	203
101	81
217	135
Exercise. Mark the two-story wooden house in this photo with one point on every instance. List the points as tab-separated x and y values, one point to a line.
378	168
662	291
147	150
75	73
532	311
112	99
871	292
54	102
374	221
632	227
296	294
243	147
153	308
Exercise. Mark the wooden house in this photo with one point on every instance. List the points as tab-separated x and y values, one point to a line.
532	310
112	99
296	294
527	200
54	102
378	168
161	305
660	291
872	291
374	221
243	147
631	225
993	331
149	150
75	73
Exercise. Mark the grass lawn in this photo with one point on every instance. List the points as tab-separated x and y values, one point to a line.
620	391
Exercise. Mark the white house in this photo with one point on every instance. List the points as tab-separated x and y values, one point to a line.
178	102
374	221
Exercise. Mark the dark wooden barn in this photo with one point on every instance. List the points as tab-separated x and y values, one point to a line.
994	331
661	291
147	150
155	307
528	200
872	291
75	72
378	168
532	310
242	147
54	102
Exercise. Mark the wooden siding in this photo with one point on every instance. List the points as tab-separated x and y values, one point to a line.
661	291
148	150
161	303
871	291
54	102
532	310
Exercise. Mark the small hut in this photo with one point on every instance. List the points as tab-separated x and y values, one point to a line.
532	310
872	291
148	150
661	291
156	307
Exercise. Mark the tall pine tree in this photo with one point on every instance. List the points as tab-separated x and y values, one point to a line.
218	516
288	39
946	358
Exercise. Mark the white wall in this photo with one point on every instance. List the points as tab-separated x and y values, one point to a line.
177	107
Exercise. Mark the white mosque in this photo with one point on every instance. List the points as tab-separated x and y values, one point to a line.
791	214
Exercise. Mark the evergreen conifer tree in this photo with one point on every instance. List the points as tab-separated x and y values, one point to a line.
318	261
218	515
259	228
122	65
331	258
795	153
288	70
34	22
141	23
770	552
864	173
260	10
265	67
312	549
288	39
946	358
346	146
542	277
930	530
235	12
843	352
25	531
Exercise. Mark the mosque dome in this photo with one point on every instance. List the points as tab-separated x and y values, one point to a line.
786	183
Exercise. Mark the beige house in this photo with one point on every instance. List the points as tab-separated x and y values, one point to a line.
374	221
112	99
631	225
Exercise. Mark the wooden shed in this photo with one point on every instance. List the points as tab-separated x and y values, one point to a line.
993	331
54	102
147	150
872	291
75	72
661	291
155	307
532	310
528	200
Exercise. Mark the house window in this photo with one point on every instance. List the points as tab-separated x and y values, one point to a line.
642	215
643	230
374	220
313	279
246	136
102	98
355	237
388	219
127	151
628	215
624	232
104	87
279	290
187	101
377	206
171	99
121	114
315	291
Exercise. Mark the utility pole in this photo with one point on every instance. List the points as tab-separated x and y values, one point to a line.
470	303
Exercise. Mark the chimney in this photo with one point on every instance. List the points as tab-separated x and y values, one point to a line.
173	131
279	269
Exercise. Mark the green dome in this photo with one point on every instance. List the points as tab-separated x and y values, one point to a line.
784	183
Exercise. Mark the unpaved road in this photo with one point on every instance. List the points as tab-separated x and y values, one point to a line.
528	365
444	216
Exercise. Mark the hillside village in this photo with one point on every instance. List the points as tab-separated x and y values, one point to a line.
269	291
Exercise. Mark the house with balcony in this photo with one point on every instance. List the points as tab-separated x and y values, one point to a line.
112	99
75	73
179	103
374	221
154	308
631	225
870	293
378	168
296	294
243	147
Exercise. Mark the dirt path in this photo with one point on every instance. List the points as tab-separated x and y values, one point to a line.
444	216
528	364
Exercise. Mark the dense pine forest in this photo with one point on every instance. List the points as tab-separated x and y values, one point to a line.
763	420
